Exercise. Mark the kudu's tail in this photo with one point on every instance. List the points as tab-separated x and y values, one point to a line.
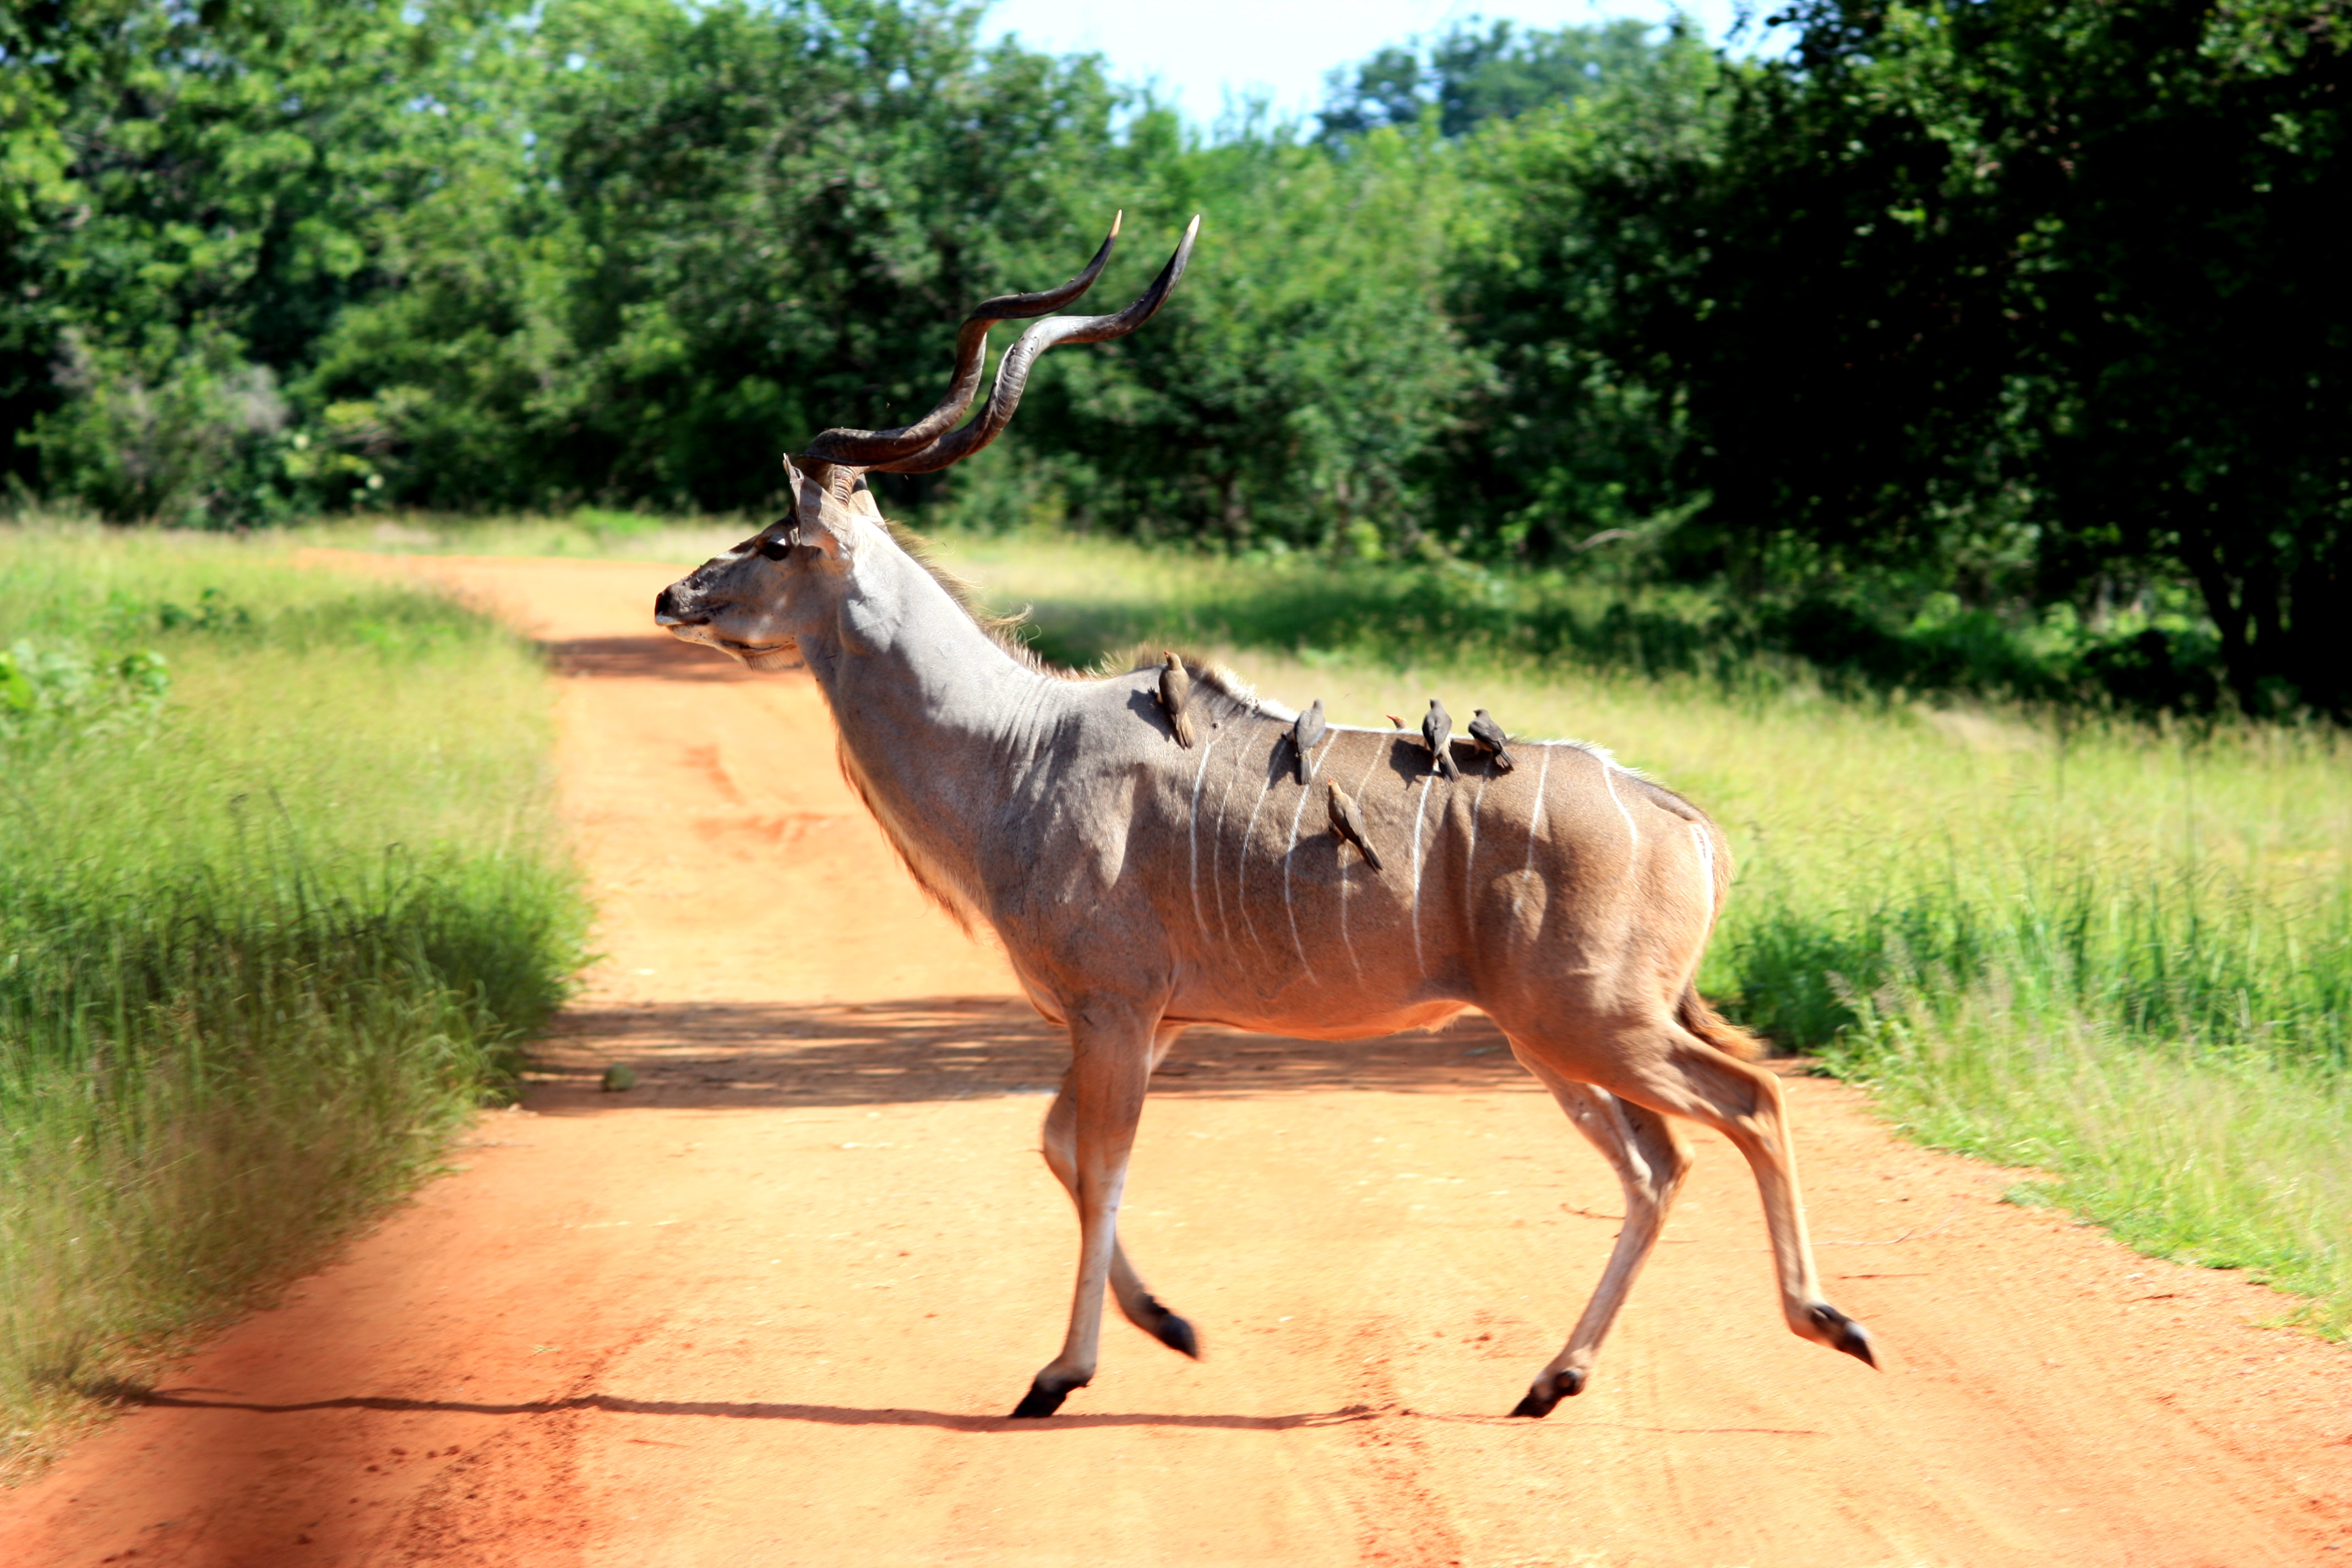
1695	1014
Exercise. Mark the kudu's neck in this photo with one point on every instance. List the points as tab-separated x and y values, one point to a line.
936	717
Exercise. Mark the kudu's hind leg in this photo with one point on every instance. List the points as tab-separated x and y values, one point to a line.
1673	1071
1110	1069
1650	1161
1136	1303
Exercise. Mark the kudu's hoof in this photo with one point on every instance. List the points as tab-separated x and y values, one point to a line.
1176	1334
1549	1392
1844	1334
1042	1400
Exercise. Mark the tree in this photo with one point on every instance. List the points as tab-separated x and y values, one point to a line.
1472	75
1580	428
190	197
2037	295
1301	386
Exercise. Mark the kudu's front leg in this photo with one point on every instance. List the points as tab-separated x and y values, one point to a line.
1136	1301
1110	1069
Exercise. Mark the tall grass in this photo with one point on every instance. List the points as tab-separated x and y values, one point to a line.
2117	951
278	898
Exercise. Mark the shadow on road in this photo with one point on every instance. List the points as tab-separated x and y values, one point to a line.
821	1415
642	658
751	1055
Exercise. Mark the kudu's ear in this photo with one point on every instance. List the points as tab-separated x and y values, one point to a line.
861	497
825	524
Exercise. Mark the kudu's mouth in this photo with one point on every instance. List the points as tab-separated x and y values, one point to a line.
697	629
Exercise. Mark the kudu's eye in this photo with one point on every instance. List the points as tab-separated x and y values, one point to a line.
776	548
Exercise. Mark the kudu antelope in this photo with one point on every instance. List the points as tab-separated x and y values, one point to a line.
1140	887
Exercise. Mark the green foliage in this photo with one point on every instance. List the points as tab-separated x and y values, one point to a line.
268	932
47	690
1578	437
1101	598
166	430
2185	954
714	231
191	196
1472	75
1300	391
2033	301
2028	306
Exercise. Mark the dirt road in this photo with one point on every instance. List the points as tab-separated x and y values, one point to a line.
767	1307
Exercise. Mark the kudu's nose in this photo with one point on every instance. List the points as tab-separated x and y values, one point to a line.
666	608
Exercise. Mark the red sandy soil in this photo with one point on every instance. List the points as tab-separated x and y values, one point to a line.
769	1307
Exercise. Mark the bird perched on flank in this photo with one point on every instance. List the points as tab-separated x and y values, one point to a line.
1175	691
1346	825
1437	728
1489	738
1308	735
1395	720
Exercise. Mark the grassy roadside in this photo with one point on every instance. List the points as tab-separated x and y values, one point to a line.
277	901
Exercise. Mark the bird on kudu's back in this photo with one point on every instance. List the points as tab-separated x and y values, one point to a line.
1175	693
1489	738
1437	728
1346	825
1305	735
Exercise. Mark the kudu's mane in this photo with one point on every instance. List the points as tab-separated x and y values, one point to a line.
1004	631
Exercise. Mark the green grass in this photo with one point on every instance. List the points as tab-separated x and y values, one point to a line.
2118	952
280	897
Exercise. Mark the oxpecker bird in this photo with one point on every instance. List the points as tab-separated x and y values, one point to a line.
1175	691
1395	720
1489	737
1437	728
1306	734
1347	826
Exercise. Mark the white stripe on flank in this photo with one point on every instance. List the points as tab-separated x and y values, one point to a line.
1536	819
1345	940
1706	867
1427	780
1198	778
1217	858
1291	854
1609	777
1471	863
1241	879
1290	906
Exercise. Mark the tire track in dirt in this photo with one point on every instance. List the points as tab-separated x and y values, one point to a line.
770	1307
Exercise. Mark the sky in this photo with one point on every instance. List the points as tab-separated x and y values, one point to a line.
1208	54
